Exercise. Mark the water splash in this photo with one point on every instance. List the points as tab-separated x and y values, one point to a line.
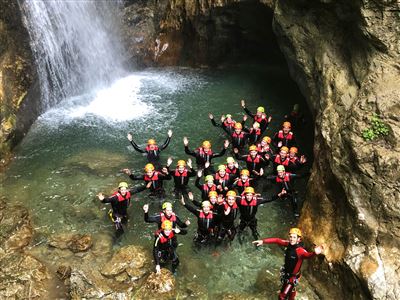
75	44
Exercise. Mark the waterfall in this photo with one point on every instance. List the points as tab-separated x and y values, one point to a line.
75	45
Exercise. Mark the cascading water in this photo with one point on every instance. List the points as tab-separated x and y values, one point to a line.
75	44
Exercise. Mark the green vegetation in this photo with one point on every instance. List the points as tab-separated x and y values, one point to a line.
376	129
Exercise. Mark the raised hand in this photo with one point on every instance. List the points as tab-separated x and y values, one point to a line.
146	208
169	161
243	103
169	133
226	144
100	196
126	171
210	115
185	141
129	136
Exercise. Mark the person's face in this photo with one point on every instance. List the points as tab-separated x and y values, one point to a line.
253	152
229	119
255	126
259	113
168	211
292	154
249	196
222	173
123	191
152	147
206	150
283	154
231	165
149	173
238	130
181	169
293	239
213	200
210	182
244	177
281	174
167	232
231	200
286	129
206	209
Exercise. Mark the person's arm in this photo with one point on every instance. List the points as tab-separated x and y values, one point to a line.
155	255
190	208
303	253
197	181
180	223
222	153
248	112
166	143
215	124
136	177
277	241
109	199
150	219
136	147
137	189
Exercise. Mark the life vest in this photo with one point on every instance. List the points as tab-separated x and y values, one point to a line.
243	184
239	136
172	218
292	262
203	154
257	131
234	206
261	149
202	215
182	175
256	159
289	136
225	178
148	148
207	189
152	178
286	178
229	124
244	202
294	160
262	118
280	162
162	238
122	198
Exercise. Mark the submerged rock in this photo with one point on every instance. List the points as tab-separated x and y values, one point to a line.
73	242
157	285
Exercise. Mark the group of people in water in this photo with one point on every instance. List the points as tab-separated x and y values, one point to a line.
227	191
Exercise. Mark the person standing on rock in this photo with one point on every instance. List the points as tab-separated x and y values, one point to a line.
165	244
152	150
120	201
294	256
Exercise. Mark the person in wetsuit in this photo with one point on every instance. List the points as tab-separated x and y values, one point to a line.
259	116
227	123
152	150
230	212
181	176
295	162
284	137
120	201
254	161
294	256
166	214
207	186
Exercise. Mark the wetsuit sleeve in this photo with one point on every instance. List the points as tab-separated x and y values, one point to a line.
197	203
164	176
192	209
222	153
197	183
152	219
155	252
191	172
215	124
189	152
180	223
265	200
110	199
303	253
275	140
166	143
240	157
277	241
136	177
136	147
271	177
248	112
137	189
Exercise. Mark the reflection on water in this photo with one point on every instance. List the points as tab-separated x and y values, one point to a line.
77	149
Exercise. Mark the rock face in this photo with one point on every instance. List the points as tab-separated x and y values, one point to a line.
16	78
345	57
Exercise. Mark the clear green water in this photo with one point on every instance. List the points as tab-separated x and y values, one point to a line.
68	157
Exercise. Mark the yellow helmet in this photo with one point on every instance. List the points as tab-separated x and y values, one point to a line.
228	116
149	167
230	160
205	203
238	125
284	148
296	231
245	172
293	150
267	139
166	225
209	178
286	124
256	125
253	148
122	184
221	168
167	205
231	194
261	109
181	162
151	142
249	190
280	168
206	144
212	194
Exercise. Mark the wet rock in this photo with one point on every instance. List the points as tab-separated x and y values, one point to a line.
64	272
130	262
158	285
73	242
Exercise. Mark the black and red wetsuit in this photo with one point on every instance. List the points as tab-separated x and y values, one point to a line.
287	140
227	126
239	140
202	157
161	217
254	135
223	183
253	163
153	156
181	180
294	164
241	184
277	160
164	249
156	180
227	226
294	256
205	224
263	120
233	172
204	188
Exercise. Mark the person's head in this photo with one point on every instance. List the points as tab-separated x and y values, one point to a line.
260	111
222	170
294	236
231	197
253	150
281	171
266	140
149	170
286	126
256	125
166	226
206	145
213	196
123	188
293	152
249	193
206	206
230	161
228	118
209	179
167	208
181	164
238	127
283	152
244	174
151	143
